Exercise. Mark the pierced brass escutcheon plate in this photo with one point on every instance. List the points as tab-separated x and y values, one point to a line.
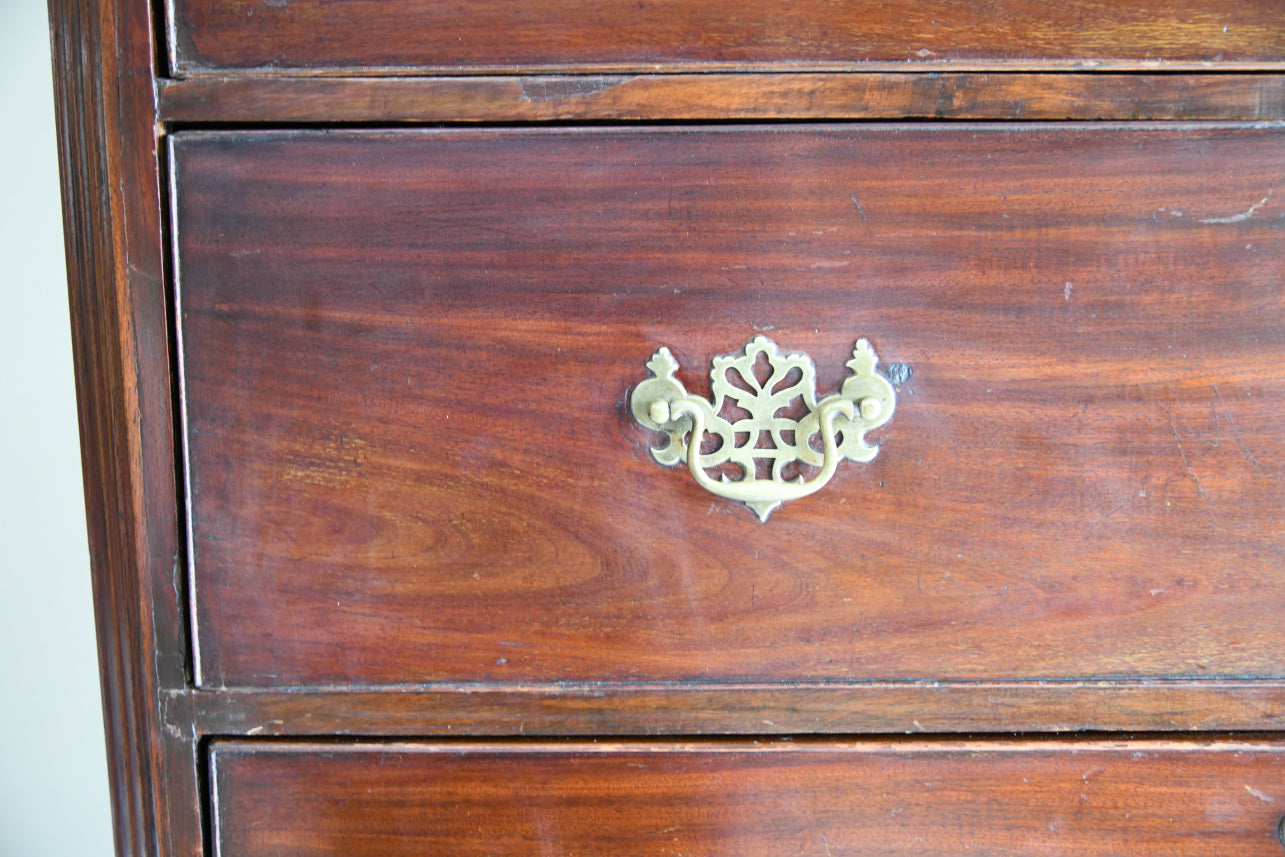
764	383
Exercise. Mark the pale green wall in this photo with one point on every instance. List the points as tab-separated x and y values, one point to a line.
53	773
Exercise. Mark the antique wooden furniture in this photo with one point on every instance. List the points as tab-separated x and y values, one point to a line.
388	314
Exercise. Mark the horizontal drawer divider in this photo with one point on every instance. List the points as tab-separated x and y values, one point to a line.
252	99
891	707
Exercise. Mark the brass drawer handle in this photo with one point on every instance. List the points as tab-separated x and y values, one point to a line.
865	401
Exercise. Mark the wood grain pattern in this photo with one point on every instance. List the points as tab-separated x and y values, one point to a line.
393	540
103	63
723	96
811	34
812	798
407	356
738	709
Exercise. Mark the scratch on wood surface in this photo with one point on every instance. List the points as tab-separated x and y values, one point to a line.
537	89
1235	433
137	272
861	211
176	731
1100	518
1243	216
1200	489
257	730
1265	798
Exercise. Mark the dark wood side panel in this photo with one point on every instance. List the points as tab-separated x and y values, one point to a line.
724	96
740	799
103	64
407	356
599	34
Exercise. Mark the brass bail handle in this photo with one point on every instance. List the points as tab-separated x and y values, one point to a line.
865	401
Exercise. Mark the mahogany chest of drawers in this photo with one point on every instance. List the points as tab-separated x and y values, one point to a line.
683	428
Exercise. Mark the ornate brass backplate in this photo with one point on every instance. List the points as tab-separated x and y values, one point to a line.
761	385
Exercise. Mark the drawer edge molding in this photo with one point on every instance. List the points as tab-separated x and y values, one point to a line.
747	797
1067	575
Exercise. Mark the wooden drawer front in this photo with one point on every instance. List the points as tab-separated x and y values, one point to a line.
396	35
739	799
406	359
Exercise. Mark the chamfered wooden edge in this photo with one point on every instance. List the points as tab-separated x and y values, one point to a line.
965	744
182	67
927	707
679	97
103	62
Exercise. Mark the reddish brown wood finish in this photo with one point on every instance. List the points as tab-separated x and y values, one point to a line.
1157	369
407	357
705	708
1162	799
103	66
596	34
724	96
